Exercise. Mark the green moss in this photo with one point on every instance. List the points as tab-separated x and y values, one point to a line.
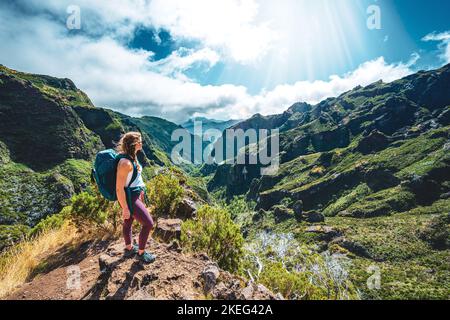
115	125
10	234
77	171
51	222
410	267
346	200
4	153
383	202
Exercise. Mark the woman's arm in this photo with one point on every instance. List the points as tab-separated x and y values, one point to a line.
123	169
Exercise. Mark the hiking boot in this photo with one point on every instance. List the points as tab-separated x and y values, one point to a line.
146	257
130	253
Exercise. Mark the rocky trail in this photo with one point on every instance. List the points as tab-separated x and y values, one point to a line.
104	273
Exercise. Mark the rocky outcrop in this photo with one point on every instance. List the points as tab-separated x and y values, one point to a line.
172	276
281	213
374	142
352	246
53	130
41	130
168	229
313	217
326	233
186	209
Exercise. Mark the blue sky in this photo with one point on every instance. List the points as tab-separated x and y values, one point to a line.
223	59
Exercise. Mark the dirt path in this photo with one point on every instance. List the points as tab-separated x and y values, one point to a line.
106	274
52	284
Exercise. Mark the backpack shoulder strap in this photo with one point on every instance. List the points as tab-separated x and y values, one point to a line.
135	170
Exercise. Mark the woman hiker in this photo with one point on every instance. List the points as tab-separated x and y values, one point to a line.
131	197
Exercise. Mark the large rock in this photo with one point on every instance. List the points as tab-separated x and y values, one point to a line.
259	292
381	179
352	246
210	275
186	209
168	229
313	217
374	142
298	210
326	233
281	213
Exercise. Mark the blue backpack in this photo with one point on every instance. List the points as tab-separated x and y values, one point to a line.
105	172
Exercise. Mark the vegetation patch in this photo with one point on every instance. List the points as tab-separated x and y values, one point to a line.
214	232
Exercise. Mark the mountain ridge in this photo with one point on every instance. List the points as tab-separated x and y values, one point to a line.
364	175
49	134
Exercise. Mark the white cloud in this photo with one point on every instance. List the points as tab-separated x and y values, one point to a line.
183	59
227	26
129	81
444	46
283	96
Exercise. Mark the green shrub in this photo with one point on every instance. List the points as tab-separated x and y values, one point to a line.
346	200
287	202
383	203
214	233
77	171
292	285
437	232
11	234
164	193
239	205
114	126
51	222
89	211
284	265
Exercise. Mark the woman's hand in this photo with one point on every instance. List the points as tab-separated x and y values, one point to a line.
126	214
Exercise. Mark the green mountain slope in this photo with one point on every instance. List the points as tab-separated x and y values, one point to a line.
49	134
359	123
208	124
367	175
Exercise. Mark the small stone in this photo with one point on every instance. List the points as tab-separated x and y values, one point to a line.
174	246
168	229
281	213
106	263
247	292
298	209
141	295
186	209
210	275
257	292
445	196
202	256
313	217
142	280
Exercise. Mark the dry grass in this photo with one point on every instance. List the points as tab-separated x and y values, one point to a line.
17	264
